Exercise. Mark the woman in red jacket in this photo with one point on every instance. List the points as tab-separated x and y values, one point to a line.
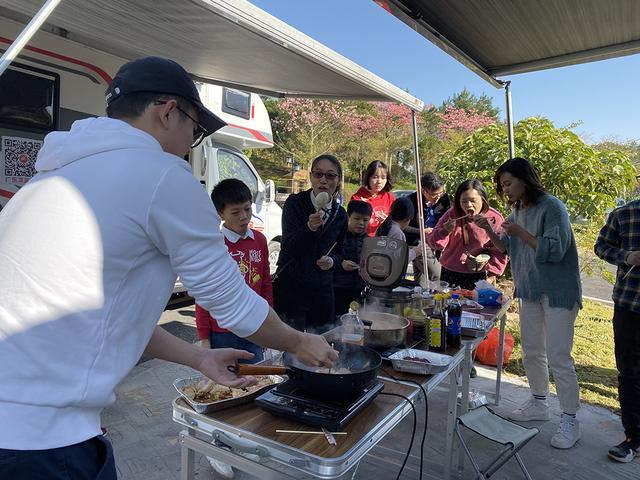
376	191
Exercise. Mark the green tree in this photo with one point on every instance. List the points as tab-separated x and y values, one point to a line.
465	100
587	180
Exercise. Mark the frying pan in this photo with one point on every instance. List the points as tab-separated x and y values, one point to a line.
362	363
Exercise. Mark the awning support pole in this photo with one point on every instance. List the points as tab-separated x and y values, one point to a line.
26	34
507	94
416	152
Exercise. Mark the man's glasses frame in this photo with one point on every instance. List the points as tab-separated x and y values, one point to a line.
199	132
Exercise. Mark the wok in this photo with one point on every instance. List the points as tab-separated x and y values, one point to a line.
356	367
383	329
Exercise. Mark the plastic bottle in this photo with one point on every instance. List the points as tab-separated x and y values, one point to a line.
438	323
417	316
455	318
352	327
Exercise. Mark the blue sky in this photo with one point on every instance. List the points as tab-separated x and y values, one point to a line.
604	96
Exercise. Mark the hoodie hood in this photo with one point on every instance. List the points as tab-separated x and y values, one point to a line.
88	137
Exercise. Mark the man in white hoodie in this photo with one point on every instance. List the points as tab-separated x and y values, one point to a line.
89	252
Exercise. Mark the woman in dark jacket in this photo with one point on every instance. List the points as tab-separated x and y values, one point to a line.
303	283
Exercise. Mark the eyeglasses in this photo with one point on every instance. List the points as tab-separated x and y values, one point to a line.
328	175
199	132
434	194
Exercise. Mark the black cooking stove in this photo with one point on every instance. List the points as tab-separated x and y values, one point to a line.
287	401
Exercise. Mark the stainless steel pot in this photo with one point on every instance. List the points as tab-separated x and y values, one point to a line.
383	329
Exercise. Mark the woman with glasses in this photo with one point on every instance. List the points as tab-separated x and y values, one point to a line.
376	191
461	240
312	224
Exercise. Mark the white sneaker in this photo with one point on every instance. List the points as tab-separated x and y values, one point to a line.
223	469
532	409
568	433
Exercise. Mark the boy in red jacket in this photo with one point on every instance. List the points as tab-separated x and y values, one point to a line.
232	199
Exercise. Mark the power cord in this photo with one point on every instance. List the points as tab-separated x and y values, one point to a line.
426	413
413	430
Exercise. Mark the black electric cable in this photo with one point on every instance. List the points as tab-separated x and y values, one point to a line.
426	414
413	430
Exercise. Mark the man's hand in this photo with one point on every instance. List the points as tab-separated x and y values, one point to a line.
214	364
428	230
633	258
315	221
324	262
314	350
349	266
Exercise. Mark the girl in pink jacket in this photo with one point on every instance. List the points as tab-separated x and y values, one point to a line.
461	240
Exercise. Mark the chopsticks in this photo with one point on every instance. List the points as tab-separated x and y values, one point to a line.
628	272
459	218
331	249
311	432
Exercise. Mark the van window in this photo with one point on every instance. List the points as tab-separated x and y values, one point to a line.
29	98
231	165
236	103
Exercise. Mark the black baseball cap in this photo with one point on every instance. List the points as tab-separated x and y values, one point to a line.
161	75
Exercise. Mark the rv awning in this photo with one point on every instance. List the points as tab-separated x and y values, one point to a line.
495	38
228	42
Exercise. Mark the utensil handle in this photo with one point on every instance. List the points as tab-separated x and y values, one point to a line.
243	369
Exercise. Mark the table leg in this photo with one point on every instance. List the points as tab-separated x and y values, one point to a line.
451	422
464	399
503	323
187	460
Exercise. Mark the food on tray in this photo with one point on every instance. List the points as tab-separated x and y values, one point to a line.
208	391
471	305
463	292
416	359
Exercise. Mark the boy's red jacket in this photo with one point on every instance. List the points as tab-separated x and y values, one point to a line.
252	255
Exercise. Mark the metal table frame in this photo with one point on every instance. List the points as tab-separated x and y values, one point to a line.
459	367
210	428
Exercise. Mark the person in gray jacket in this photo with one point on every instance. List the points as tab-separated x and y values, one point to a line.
544	261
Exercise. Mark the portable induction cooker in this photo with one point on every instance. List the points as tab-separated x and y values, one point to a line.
285	400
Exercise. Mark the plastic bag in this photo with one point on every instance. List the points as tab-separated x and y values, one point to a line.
487	351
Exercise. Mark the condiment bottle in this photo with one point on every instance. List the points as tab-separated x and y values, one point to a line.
352	327
417	316
438	323
454	311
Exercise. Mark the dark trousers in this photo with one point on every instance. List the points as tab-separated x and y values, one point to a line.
305	309
231	340
433	266
462	280
626	335
88	460
343	297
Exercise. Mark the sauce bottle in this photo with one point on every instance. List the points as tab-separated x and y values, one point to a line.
438	324
352	327
454	311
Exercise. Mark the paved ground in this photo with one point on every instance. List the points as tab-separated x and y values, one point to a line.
145	437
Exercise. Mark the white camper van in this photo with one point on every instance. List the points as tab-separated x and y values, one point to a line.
55	81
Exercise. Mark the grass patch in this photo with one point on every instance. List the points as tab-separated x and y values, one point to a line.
593	352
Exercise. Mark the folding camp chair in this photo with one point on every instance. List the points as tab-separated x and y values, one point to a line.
497	429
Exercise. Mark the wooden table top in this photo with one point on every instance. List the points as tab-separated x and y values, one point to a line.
251	418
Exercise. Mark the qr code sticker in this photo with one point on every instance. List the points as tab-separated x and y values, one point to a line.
19	156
